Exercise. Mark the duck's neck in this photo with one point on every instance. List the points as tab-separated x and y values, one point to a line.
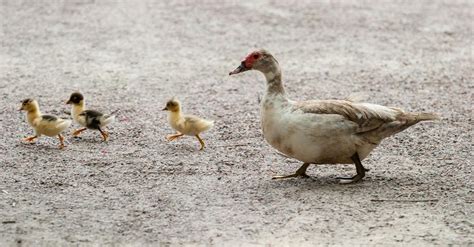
274	83
77	109
32	115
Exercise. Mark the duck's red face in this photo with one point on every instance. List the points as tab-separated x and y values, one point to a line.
252	58
248	62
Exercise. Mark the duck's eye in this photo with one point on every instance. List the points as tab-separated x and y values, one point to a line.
256	56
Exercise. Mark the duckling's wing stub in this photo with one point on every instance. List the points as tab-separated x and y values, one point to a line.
191	119
92	113
49	118
197	124
92	118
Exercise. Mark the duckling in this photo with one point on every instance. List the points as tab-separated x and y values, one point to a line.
47	125
185	124
89	119
323	131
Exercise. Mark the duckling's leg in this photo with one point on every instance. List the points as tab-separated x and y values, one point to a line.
104	134
360	171
78	131
173	137
30	139
201	141
61	141
301	172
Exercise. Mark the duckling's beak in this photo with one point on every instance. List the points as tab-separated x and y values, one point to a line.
165	109
21	109
240	69
68	102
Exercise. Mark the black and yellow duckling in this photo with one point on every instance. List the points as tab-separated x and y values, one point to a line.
88	119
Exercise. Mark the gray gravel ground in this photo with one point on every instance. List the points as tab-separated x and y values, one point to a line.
137	188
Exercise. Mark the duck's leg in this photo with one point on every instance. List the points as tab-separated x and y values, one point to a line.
301	172
201	141
360	171
30	139
174	137
61	141
104	134
78	131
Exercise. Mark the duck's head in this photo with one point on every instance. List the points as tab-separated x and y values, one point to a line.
29	105
260	60
76	98
172	105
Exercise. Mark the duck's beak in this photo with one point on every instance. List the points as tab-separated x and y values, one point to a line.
165	109
239	69
68	102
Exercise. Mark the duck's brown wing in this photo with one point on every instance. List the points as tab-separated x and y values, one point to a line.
375	122
360	113
368	117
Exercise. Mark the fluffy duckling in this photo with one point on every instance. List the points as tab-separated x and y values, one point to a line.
89	119
185	124
47	125
323	131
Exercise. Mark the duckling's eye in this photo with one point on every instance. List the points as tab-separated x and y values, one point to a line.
256	56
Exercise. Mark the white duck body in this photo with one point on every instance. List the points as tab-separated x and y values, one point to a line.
314	138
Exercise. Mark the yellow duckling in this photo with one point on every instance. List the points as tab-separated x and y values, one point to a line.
47	125
185	124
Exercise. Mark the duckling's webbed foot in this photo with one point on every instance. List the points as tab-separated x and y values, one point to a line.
61	141
78	132
360	171
301	172
30	139
201	141
173	137
104	134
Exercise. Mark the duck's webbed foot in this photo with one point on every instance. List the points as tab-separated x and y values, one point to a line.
301	172
174	137
360	172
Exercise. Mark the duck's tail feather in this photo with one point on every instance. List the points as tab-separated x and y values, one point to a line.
402	122
424	116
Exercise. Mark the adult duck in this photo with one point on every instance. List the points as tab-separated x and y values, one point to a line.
323	131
